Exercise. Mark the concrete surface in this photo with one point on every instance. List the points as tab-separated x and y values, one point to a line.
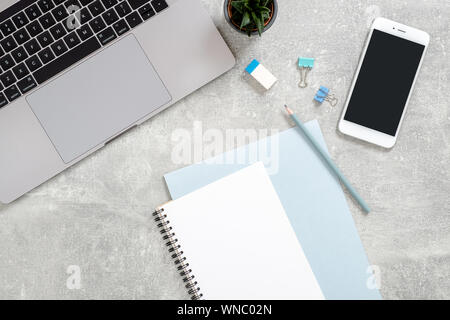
97	215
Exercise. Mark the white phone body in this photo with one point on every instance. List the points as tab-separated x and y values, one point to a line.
362	132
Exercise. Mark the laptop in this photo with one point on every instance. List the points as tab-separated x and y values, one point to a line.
77	74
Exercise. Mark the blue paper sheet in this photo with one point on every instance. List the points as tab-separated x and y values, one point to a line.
313	200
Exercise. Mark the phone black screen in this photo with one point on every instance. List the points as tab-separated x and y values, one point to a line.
384	82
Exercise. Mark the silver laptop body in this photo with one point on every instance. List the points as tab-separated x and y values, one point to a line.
116	87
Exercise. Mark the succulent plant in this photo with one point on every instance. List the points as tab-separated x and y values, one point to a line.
251	14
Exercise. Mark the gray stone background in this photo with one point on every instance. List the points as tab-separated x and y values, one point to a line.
96	215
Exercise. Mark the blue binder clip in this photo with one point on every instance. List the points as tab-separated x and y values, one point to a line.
305	65
323	94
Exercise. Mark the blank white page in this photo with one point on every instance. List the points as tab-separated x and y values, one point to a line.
238	241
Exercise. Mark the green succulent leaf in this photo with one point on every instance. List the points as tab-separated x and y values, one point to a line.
245	20
239	6
258	22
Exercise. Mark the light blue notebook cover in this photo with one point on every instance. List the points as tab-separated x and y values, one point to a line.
313	200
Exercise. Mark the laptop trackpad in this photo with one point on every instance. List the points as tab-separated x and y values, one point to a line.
91	103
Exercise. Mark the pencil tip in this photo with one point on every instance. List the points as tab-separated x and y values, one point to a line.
288	110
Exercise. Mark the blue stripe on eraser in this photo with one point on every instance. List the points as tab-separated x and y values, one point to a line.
252	66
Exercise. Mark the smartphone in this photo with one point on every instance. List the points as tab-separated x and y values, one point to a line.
383	82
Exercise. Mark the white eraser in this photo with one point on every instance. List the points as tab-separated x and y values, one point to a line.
261	74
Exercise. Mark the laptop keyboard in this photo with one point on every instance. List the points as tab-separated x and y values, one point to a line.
41	38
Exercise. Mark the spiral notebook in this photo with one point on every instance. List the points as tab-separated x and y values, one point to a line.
312	198
232	240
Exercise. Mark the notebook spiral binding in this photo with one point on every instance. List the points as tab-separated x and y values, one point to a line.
179	259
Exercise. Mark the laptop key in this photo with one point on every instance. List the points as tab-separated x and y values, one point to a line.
44	39
47	20
60	13
12	93
85	15
7	79
96	8
26	84
97	24
6	62
19	54
58	31
106	36
46	5
7	27
46	55
146	12
110	16
109	3
21	36
8	44
120	27
34	28
3	100
32	46
85	32
72	40
134	19
66	60
123	9
59	47
159	5
20	20
33	63
137	3
33	12
20	71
